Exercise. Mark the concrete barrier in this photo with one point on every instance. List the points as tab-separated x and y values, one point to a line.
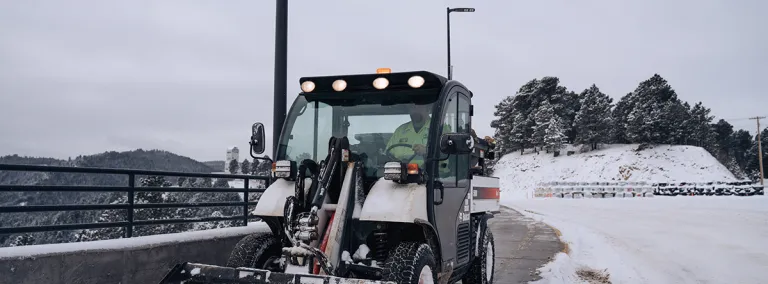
134	260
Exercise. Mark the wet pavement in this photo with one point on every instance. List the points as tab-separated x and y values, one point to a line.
523	245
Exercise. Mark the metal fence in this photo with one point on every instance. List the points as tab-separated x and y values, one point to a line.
130	206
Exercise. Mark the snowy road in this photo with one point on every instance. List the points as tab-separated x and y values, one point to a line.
658	240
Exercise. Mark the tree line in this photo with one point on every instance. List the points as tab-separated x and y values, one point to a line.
543	115
257	167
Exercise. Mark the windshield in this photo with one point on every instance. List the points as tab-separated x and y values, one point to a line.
368	121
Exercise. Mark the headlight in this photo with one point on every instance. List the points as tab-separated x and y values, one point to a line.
399	172
339	85
380	83
284	169
395	171
416	81
307	86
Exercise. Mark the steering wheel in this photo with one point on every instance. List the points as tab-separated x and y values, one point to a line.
389	155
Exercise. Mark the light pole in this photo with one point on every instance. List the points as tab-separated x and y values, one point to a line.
448	11
281	67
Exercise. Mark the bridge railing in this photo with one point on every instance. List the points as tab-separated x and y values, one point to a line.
130	206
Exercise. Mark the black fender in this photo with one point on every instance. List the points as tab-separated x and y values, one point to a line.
432	238
480	223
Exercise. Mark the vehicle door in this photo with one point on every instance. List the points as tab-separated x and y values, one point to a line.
452	214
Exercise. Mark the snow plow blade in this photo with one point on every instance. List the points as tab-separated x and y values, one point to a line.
194	273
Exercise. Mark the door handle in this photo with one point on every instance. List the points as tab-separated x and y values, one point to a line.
439	186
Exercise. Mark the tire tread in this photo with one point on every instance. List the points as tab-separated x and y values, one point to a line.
253	250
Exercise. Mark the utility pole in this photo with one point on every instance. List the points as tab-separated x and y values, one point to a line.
759	147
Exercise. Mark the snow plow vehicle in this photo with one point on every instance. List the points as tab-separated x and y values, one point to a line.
377	178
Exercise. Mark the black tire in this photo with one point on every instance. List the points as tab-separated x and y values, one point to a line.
480	266
254	250
406	261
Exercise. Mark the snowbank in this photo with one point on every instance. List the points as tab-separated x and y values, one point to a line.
130	243
694	239
519	174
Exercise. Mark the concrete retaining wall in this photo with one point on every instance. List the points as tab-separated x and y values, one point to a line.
124	261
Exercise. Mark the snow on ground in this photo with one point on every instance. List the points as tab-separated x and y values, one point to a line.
130	243
520	174
691	239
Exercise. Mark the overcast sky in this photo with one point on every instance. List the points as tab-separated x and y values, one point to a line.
75	74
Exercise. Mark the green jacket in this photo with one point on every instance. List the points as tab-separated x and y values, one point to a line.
406	134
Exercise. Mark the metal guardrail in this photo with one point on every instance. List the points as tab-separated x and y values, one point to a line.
130	206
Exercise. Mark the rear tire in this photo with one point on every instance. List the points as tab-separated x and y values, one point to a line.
411	263
481	271
254	250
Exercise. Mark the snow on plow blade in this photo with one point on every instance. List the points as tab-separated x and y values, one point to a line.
193	273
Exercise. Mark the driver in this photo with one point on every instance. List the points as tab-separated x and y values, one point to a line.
414	133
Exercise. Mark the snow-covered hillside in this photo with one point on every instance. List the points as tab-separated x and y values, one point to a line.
520	174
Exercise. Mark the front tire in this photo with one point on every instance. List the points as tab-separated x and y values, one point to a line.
481	271
254	251
411	263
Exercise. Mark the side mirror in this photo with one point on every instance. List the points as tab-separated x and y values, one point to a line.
257	138
456	143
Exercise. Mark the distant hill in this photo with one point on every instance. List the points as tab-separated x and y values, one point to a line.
663	163
216	166
137	159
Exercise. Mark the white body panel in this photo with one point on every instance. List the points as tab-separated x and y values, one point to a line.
272	201
485	194
389	201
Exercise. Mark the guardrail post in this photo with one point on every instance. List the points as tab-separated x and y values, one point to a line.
245	198
132	185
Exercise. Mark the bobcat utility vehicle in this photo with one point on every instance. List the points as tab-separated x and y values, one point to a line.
348	204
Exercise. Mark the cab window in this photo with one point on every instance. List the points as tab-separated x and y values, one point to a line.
447	168
464	126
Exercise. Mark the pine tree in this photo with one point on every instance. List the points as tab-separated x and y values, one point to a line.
245	167
519	139
666	129
648	107
620	118
542	118
233	166
684	130
722	131
503	126
593	121
741	142
554	134
700	121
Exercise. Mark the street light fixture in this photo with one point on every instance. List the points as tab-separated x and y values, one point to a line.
448	17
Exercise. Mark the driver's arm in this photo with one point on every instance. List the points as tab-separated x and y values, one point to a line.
394	139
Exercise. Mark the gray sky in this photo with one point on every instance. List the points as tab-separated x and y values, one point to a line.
75	74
